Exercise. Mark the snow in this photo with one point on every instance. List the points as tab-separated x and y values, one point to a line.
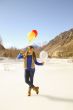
55	80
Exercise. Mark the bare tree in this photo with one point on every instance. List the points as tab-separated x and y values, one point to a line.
1	40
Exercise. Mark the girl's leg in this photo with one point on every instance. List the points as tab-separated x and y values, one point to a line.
32	71
36	89
27	77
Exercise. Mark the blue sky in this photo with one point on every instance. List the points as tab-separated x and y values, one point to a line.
18	17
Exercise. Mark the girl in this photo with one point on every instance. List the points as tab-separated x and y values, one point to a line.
29	65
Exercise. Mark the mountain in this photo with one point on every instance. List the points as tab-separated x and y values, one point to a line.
61	45
1	47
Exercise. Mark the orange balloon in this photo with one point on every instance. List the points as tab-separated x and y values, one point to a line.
35	31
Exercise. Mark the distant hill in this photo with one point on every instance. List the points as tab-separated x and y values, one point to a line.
11	52
61	45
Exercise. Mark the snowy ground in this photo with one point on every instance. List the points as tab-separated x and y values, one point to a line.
55	80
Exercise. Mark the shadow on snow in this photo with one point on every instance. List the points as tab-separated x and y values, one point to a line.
54	98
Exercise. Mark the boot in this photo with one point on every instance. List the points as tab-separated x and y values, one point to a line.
36	89
29	91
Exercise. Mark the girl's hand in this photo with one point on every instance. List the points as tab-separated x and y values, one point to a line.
43	63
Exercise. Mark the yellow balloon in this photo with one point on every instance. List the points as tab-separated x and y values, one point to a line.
31	36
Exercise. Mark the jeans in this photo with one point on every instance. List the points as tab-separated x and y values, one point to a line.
29	75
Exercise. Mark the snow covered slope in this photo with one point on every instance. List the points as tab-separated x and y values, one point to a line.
55	80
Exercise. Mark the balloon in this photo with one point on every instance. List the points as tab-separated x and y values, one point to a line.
36	33
32	35
43	55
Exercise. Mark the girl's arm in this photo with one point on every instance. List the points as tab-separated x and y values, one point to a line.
21	55
37	63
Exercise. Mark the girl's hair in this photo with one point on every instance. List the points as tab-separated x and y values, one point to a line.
34	56
31	47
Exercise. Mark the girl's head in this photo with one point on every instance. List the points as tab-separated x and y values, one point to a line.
30	51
